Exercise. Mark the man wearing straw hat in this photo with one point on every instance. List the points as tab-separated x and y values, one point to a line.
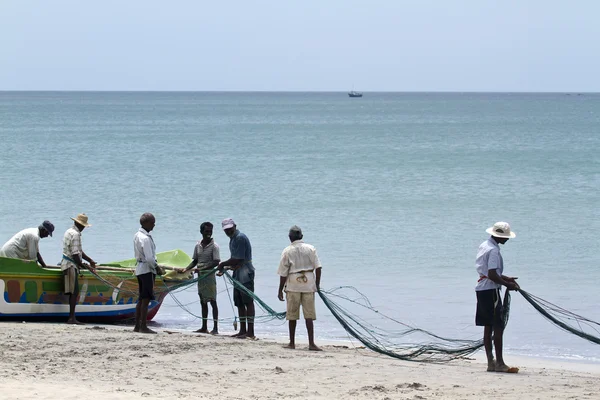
300	274
72	262
24	245
490	312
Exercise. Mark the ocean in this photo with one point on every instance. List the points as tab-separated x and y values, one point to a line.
395	190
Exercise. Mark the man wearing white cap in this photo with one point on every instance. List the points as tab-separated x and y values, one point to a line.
240	262
24	245
490	312
72	262
300	275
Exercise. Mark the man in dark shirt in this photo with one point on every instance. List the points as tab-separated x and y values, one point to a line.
243	272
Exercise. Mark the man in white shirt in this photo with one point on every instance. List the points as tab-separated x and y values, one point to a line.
24	245
490	312
146	270
300	276
72	262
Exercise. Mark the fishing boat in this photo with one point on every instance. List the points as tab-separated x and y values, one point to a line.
352	93
33	293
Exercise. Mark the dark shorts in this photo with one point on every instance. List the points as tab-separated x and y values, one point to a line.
240	297
146	285
489	308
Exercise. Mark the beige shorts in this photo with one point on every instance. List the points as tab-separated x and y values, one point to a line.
71	281
297	299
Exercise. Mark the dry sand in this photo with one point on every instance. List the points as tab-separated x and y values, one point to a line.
56	361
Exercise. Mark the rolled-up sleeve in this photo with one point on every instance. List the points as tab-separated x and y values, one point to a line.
148	252
238	248
32	247
284	265
493	260
316	261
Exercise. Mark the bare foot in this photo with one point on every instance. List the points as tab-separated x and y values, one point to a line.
136	329
506	369
146	330
491	366
74	322
313	347
239	334
290	346
214	332
201	330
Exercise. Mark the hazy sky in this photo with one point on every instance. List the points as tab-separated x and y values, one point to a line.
386	45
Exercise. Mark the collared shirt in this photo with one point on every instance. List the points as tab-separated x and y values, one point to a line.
23	245
71	246
298	262
204	255
145	252
240	248
488	257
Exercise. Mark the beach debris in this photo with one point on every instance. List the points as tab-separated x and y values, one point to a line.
279	370
414	385
96	327
375	388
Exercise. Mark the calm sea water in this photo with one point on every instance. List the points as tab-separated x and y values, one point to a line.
394	190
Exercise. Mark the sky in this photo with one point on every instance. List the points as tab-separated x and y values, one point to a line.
325	45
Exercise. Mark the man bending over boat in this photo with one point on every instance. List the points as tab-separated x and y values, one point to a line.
300	275
490	312
24	245
146	270
206	257
72	262
240	262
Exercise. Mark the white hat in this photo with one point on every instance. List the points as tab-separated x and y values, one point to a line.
227	223
501	230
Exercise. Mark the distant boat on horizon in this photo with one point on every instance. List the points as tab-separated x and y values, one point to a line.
352	93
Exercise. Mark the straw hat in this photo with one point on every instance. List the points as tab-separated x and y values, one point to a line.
501	230
81	219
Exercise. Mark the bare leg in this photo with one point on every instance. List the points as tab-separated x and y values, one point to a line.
292	328
487	344
242	314
144	316
215	315
498	333
311	336
250	315
72	303
138	309
204	318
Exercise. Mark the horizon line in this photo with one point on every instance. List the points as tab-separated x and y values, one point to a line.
291	91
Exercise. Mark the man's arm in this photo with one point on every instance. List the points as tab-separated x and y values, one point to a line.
41	260
282	281
494	277
190	266
88	259
318	278
232	264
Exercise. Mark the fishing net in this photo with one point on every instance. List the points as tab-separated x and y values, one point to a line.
353	311
576	324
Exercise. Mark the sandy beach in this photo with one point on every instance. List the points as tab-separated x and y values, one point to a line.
56	361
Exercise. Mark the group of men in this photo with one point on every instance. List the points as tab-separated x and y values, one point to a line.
299	271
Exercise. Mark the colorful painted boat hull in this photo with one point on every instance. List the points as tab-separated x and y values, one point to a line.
32	293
